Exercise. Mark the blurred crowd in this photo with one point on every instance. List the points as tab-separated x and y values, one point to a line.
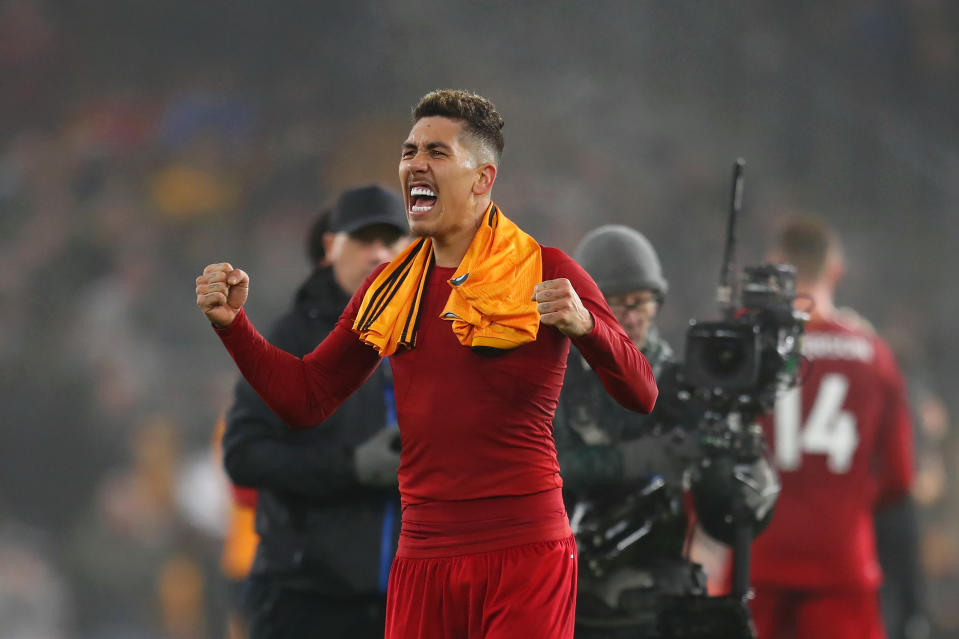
141	141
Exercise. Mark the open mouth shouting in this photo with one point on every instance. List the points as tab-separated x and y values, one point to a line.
422	199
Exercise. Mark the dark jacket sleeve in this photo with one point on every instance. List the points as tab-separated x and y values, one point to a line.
897	546
637	445
258	451
583	466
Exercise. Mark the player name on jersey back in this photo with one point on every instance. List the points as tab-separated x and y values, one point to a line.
837	346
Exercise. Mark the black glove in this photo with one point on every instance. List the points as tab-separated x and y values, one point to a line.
917	627
665	454
378	458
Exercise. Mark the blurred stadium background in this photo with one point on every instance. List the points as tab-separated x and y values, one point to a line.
141	140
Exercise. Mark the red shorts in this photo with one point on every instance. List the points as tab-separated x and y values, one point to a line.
525	591
795	614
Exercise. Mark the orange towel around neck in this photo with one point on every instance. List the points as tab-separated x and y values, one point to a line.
490	303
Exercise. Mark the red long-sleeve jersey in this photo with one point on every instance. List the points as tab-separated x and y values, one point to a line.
473	427
843	446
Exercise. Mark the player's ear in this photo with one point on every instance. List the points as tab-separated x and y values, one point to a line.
485	176
835	269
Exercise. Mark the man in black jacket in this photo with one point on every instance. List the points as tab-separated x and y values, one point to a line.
328	507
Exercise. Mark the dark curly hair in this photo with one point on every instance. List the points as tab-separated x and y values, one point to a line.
479	116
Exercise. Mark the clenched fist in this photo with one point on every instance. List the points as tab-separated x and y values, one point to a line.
221	292
559	305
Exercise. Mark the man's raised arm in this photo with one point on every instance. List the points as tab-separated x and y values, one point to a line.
302	392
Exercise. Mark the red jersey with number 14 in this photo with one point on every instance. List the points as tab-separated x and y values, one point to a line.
843	446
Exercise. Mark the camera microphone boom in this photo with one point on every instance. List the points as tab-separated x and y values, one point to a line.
724	294
744	359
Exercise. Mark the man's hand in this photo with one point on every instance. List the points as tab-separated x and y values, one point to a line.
378	458
559	305
667	454
221	292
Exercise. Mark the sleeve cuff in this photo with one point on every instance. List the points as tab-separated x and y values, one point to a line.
230	329
591	337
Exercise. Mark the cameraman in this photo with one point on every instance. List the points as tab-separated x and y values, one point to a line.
608	454
328	505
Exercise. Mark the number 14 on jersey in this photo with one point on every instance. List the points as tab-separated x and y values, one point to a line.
829	430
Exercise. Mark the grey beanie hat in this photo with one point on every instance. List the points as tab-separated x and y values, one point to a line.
620	260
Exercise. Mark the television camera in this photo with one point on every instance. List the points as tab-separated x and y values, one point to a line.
731	373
